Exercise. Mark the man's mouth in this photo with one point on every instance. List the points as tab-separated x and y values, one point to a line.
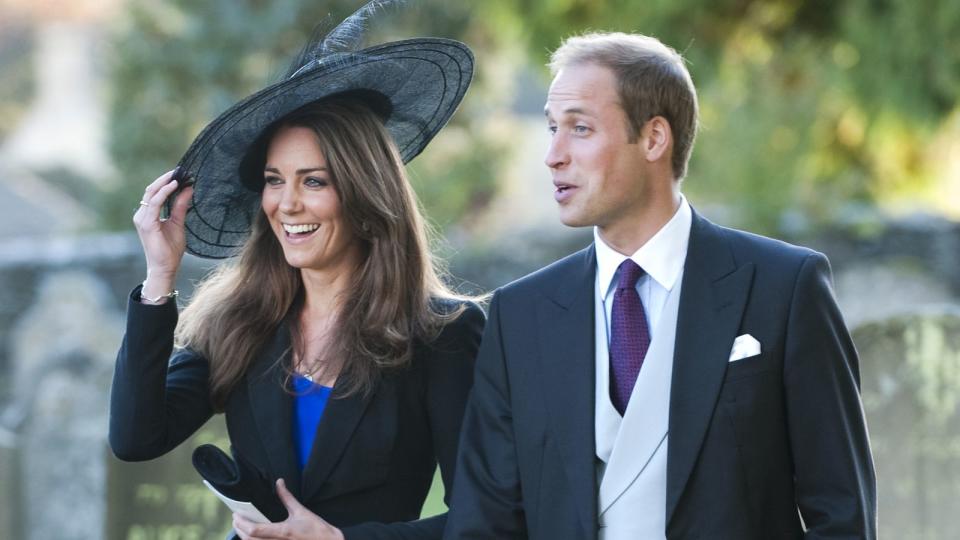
563	191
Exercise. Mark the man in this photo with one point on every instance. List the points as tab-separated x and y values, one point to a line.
675	379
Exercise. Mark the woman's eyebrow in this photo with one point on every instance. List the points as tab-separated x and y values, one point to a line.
299	171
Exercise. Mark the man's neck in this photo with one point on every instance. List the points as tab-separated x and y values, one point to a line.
629	234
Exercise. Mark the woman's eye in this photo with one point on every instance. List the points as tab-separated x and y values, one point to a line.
313	181
273	180
552	129
580	130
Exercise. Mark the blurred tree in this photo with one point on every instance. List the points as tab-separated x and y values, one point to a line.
177	64
811	110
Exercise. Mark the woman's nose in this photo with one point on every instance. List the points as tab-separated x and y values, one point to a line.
289	200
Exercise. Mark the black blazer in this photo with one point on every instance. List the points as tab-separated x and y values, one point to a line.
374	458
750	442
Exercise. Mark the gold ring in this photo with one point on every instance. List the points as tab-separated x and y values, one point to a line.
144	203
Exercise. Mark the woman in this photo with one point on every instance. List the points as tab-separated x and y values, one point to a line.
340	360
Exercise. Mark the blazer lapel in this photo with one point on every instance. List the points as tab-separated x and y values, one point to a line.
713	297
338	423
565	325
272	408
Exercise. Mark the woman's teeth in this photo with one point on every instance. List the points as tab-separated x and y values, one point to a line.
300	229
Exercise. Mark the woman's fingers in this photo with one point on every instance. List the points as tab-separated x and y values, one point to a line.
287	498
149	210
154	186
163	240
180	204
248	530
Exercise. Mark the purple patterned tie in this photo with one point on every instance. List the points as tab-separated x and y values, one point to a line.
629	336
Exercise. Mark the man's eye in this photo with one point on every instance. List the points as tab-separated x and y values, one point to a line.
552	129
581	129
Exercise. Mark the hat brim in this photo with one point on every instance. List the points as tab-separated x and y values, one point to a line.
423	79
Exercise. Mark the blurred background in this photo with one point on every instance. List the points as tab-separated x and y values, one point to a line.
834	124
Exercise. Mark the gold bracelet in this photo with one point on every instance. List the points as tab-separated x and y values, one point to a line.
172	294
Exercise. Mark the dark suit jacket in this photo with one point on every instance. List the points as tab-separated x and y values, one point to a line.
750	442
374	458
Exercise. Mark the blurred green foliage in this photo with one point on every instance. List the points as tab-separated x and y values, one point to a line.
812	111
179	63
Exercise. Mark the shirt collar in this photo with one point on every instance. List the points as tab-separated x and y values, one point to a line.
662	257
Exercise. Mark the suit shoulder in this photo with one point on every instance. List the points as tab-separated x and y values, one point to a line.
766	252
549	277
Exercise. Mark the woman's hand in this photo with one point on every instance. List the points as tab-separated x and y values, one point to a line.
164	241
301	524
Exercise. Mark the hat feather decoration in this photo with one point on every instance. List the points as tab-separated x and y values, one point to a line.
345	37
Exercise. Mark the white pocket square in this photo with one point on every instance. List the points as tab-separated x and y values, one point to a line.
744	346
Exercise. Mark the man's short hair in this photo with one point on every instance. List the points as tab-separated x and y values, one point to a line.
652	81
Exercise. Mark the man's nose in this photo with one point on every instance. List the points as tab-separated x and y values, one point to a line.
557	155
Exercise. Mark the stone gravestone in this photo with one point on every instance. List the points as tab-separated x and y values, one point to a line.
164	499
63	347
910	369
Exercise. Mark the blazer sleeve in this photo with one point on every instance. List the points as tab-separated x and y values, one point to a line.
449	376
157	400
486	500
835	478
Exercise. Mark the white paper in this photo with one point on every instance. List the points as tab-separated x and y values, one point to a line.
245	509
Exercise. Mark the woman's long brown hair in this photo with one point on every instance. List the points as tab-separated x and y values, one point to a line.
388	306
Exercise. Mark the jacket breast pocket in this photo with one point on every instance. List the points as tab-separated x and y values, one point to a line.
747	367
747	379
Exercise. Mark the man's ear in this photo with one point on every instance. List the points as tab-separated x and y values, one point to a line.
657	139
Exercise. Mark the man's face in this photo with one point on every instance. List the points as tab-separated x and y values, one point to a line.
598	174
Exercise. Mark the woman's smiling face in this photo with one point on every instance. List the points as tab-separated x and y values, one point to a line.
302	205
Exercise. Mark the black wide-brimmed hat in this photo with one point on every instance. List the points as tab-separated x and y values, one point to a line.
415	86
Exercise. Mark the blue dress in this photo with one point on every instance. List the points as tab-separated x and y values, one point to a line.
309	402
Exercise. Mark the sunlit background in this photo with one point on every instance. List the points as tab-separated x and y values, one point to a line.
835	124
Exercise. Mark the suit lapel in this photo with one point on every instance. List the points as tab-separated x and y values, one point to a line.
338	423
565	325
272	409
713	296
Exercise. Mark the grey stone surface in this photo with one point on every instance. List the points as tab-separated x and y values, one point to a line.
9	489
61	321
872	292
910	368
926	242
64	345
